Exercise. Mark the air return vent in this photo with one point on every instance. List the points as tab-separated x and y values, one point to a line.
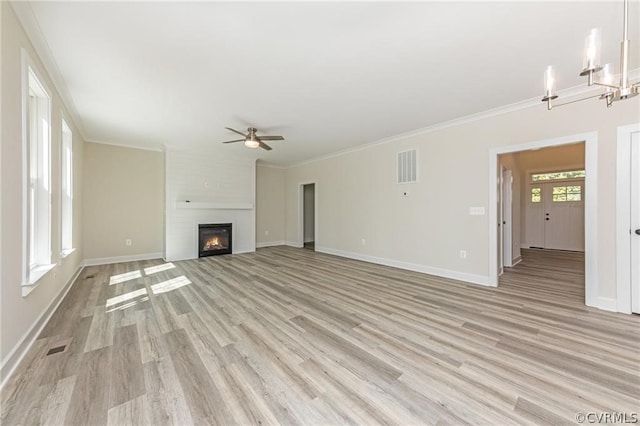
407	166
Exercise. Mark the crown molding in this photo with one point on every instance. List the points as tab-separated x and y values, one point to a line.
266	165
159	148
563	95
31	27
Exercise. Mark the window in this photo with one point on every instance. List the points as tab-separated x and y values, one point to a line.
567	193
37	176
536	195
66	191
573	174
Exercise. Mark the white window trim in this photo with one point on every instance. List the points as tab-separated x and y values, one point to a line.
32	274
65	250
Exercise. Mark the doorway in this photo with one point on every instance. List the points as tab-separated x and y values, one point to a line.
628	220
590	150
308	215
554	212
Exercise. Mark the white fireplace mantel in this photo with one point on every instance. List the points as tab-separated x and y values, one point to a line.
213	205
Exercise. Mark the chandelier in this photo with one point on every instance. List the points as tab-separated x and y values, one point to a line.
612	92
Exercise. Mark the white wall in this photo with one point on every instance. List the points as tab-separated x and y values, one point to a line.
358	198
21	317
269	205
123	199
202	177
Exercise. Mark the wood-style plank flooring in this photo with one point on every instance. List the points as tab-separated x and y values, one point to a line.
291	336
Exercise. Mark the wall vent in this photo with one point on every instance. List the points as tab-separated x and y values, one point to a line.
408	166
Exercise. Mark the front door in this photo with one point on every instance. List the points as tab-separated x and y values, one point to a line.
555	215
564	215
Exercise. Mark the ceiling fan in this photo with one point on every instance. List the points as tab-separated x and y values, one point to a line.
251	140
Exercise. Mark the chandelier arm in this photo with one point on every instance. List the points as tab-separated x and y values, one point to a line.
576	100
613	86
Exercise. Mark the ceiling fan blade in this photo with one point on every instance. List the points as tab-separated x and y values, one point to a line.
264	145
271	138
234	130
237	140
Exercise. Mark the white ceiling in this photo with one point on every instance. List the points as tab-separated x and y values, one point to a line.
328	76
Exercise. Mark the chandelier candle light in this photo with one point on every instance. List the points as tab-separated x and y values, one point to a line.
591	65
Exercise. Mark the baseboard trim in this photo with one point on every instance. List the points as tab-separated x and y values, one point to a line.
425	269
12	360
270	244
293	244
515	261
120	259
607	304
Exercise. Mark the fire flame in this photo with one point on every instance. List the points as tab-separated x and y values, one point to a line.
212	243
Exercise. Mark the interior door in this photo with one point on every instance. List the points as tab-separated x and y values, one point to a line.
635	222
563	215
506	202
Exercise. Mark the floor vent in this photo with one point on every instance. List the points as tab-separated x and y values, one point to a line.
88	277
56	350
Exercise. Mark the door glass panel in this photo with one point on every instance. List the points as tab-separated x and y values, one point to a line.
559	193
535	195
558	175
574	193
567	193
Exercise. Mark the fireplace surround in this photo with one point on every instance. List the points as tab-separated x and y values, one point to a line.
215	239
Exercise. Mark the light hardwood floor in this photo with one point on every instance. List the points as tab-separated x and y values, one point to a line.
291	336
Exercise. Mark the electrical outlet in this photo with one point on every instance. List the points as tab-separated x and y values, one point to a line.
463	254
266	233
206	185
128	242
363	241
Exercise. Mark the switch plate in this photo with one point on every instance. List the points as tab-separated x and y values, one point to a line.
476	211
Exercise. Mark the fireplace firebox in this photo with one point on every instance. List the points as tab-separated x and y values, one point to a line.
214	239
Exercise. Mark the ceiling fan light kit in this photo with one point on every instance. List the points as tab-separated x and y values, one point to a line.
612	92
252	140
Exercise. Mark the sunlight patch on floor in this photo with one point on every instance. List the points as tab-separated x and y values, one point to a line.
158	268
170	285
126	297
127	276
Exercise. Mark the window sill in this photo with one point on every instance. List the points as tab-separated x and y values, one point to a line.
34	277
65	253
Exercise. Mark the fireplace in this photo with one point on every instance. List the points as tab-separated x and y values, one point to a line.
214	239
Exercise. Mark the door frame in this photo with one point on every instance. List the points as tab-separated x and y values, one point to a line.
623	218
506	201
300	239
590	140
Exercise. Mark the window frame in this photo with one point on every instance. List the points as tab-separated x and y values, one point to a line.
66	190
37	195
